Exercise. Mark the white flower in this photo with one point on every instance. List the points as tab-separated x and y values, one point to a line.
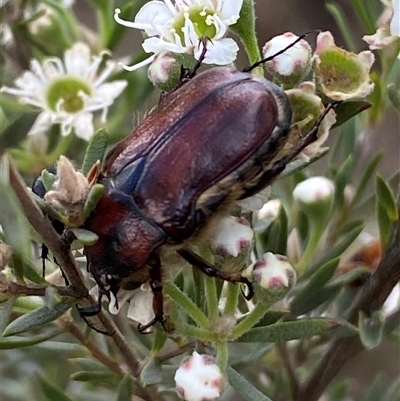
341	75
198	378
388	30
140	303
313	190
292	65
178	26
68	92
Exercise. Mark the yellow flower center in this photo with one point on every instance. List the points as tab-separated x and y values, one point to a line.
201	18
67	89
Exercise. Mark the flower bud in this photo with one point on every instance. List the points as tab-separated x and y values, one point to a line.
199	378
314	190
70	192
341	75
307	107
164	72
294	64
267	214
231	241
272	276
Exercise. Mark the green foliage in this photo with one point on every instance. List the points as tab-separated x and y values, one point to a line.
266	350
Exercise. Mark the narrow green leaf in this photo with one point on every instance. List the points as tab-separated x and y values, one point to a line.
337	250
371	328
86	376
243	387
48	179
6	309
288	331
19	342
96	149
373	164
347	110
317	298
14	224
384	223
151	372
271	317
316	282
342	178
17	130
386	197
51	391
343	24
125	389
394	96
38	317
95	193
85	236
351	276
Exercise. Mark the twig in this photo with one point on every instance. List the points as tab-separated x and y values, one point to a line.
290	369
372	297
40	291
64	257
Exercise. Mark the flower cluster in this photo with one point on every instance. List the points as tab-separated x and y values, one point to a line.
180	26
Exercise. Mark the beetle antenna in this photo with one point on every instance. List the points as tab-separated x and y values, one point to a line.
301	37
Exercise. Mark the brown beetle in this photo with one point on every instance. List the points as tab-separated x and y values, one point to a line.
206	145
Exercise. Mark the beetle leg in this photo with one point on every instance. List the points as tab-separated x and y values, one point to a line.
212	271
158	299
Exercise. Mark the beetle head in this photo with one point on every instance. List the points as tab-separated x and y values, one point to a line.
126	239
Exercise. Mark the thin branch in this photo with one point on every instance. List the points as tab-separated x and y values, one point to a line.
61	251
40	291
372	297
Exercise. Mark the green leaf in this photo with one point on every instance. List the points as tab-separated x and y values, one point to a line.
17	130
343	24
151	372
386	197
373	164
125	389
6	309
243	387
85	376
318	298
347	110
38	317
271	317
337	250
85	236
245	29
384	224
14	224
51	391
288	331
371	328
342	178
394	96
95	193
19	342
96	149
316	282
48	179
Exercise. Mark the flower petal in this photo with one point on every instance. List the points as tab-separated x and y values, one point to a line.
220	52
77	59
83	124
41	124
230	10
